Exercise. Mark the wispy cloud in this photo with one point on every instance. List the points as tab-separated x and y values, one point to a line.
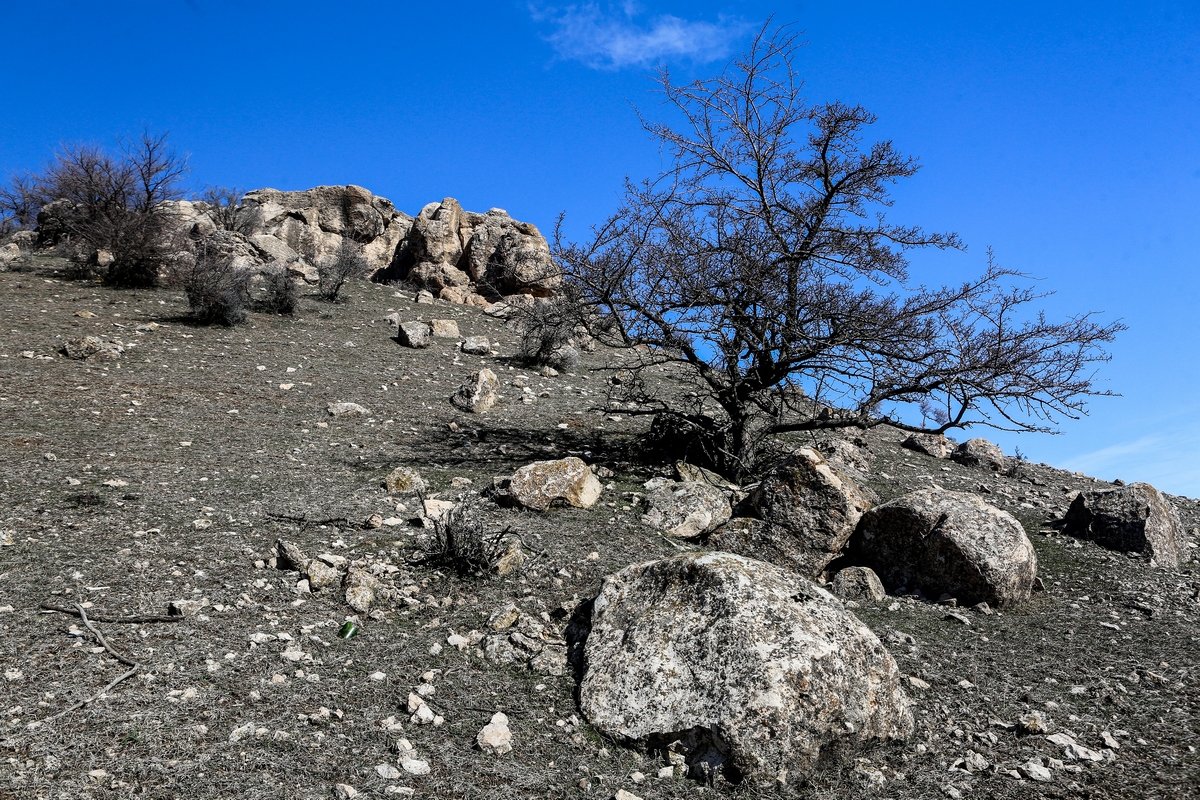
616	36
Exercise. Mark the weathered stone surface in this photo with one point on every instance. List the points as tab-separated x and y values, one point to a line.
9	253
488	255
563	481
360	588
404	480
943	542
685	509
812	508
754	669
979	453
414	334
495	737
342	409
935	445
479	393
445	328
314	223
690	472
92	348
1135	518
857	583
477	346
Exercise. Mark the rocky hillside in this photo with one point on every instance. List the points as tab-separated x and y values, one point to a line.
368	552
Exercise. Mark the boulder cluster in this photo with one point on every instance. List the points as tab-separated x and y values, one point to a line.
457	255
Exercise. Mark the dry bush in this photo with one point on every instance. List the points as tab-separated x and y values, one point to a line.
280	295
217	293
335	270
461	543
115	203
547	328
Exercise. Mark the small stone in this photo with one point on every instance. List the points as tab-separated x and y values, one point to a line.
415	766
624	795
414	334
495	737
387	772
344	791
345	409
1034	771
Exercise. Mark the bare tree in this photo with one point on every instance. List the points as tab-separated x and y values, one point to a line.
115	203
761	265
20	202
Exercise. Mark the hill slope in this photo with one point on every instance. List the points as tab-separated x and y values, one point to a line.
169	473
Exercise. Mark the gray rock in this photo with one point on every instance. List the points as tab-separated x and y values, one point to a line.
685	509
1135	519
477	346
92	348
543	484
857	583
9	253
931	444
404	480
979	453
944	542
414	334
812	508
346	410
479	393
752	670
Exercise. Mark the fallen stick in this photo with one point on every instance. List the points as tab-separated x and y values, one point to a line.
129	673
132	619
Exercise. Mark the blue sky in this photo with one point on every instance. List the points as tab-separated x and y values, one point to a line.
1066	136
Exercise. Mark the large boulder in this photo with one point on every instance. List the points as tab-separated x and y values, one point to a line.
315	222
812	508
461	254
564	481
685	509
979	453
751	671
1136	519
943	542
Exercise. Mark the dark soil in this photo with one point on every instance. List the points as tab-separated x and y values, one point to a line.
169	473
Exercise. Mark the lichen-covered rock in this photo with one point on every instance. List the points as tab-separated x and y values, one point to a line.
479	393
360	588
92	348
414	334
857	583
812	508
1135	519
943	542
751	668
404	480
564	481
685	509
979	453
477	346
931	444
